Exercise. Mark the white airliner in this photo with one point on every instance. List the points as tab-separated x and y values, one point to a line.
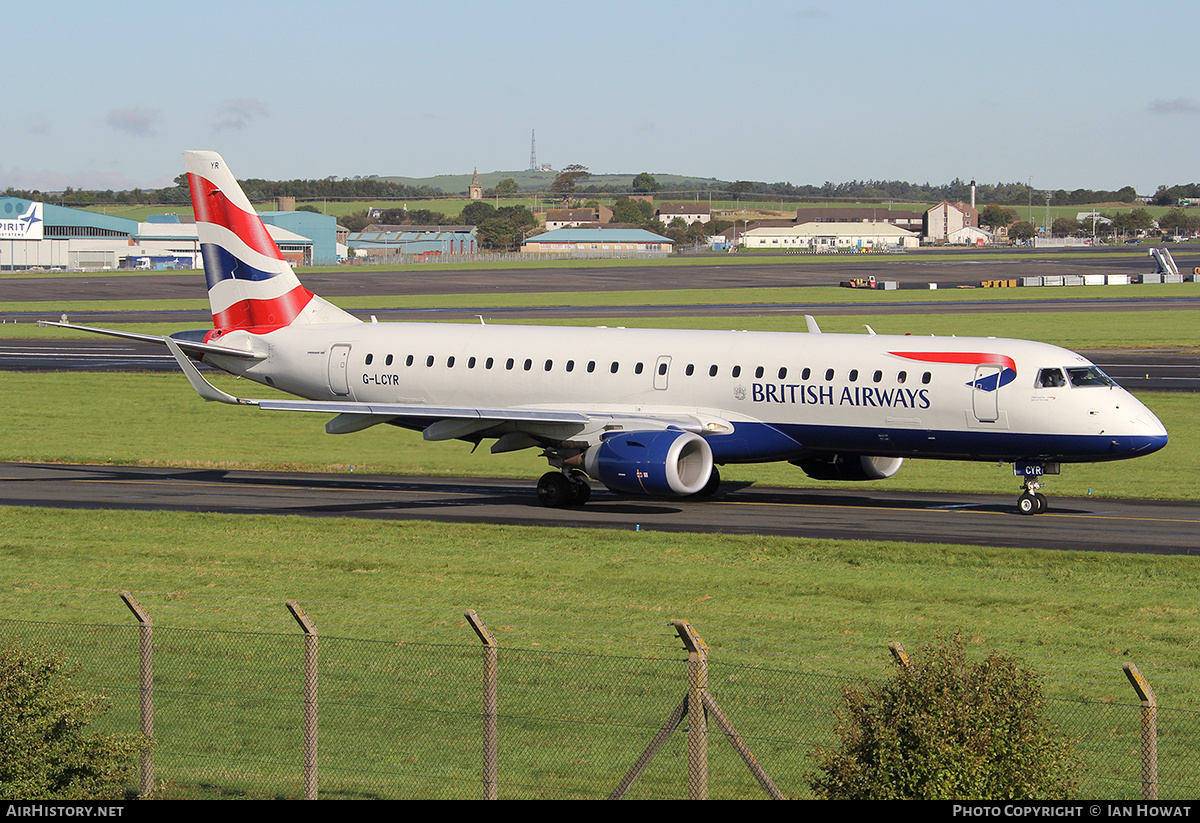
645	411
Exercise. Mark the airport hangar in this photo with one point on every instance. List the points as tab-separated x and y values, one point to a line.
35	234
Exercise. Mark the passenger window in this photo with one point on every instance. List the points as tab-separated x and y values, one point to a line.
471	363
901	377
782	372
429	362
370	357
662	368
712	371
487	364
829	374
737	371
591	366
690	370
528	364
758	373
613	368
637	369
926	377
388	361
804	375
509	363
408	361
570	365
549	365
450	362
877	376
854	375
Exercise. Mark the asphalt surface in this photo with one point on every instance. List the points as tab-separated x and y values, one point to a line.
857	512
950	268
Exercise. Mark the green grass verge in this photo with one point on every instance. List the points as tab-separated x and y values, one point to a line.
589	667
1101	330
767	297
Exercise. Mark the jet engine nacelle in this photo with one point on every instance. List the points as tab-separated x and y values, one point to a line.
653	462
848	466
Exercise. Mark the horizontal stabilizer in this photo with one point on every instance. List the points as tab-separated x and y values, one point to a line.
190	346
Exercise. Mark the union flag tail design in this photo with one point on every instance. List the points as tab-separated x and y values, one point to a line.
250	285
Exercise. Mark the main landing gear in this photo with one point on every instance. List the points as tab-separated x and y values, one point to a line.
559	490
1031	500
564	490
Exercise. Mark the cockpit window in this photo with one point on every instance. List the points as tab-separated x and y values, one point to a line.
1050	379
1089	376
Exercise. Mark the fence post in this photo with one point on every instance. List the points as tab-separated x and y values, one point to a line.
310	698
697	720
900	655
491	746
145	687
1149	731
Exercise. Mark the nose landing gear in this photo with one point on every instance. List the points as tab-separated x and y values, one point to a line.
1031	501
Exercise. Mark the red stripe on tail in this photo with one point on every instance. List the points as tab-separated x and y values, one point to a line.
211	206
264	315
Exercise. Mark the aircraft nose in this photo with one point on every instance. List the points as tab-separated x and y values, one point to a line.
1150	434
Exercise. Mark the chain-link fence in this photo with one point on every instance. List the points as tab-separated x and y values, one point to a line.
393	717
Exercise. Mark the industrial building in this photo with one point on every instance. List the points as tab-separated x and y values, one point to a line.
36	234
831	237
571	240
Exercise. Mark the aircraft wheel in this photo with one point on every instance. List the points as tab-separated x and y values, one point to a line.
710	488
554	490
1027	504
1042	503
581	490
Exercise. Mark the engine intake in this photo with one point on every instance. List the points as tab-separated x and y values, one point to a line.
656	462
848	466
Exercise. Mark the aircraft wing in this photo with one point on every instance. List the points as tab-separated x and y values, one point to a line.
190	346
438	422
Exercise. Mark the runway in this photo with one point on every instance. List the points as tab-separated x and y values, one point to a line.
1086	524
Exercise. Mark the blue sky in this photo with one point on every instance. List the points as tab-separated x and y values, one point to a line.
1066	94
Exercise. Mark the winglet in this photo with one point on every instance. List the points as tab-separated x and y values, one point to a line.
206	390
811	322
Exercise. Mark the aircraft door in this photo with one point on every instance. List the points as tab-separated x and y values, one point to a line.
339	361
985	392
662	370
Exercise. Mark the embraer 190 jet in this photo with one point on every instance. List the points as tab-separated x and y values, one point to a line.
645	411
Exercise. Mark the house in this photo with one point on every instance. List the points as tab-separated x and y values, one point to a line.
687	212
946	218
561	218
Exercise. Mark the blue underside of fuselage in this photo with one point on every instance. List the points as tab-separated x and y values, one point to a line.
761	442
767	443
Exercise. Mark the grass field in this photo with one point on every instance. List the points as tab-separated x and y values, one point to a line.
589	667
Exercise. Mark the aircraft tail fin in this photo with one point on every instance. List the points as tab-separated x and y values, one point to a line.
250	284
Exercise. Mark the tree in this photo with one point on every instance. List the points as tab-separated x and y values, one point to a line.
1023	230
628	210
46	751
946	729
1064	226
994	216
476	212
644	184
1176	221
568	177
506	187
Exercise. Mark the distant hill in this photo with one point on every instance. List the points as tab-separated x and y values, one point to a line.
458	183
